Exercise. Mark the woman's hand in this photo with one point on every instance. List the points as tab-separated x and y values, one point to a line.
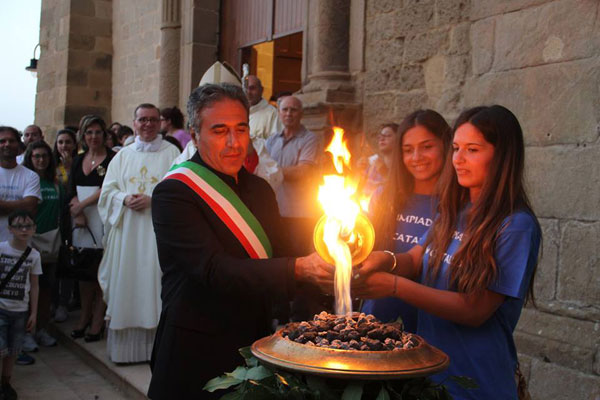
80	221
313	268
375	286
75	207
377	261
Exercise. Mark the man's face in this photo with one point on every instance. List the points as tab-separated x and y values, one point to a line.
254	90
224	136
31	134
146	123
9	146
290	112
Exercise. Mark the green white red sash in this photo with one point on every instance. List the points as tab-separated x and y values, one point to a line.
226	204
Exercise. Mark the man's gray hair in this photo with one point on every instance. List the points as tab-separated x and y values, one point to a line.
206	95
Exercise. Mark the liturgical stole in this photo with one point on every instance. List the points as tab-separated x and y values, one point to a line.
226	204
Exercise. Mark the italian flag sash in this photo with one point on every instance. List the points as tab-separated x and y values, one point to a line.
226	204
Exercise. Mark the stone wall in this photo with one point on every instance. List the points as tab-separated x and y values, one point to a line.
541	59
75	63
136	38
52	77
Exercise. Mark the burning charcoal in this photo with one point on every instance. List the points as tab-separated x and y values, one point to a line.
303	326
309	343
310	335
293	335
354	344
336	344
374	345
364	347
339	327
322	333
325	342
340	320
323	316
377	333
332	335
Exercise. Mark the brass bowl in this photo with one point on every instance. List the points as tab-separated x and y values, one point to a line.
363	228
420	361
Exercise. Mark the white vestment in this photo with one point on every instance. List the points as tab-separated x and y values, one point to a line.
263	120
129	274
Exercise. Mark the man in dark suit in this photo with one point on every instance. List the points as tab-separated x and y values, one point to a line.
218	230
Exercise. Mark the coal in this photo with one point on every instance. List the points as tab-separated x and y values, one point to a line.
360	332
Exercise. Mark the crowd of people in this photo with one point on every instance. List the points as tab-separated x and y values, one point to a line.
188	254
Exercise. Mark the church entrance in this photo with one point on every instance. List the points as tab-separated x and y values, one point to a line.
266	35
277	63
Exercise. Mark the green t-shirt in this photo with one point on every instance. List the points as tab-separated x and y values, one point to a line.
48	211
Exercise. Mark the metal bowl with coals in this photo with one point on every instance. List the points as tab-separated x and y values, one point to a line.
420	360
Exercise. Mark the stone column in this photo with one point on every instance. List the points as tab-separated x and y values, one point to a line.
170	44
328	90
330	39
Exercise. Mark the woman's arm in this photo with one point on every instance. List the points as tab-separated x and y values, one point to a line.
407	264
471	309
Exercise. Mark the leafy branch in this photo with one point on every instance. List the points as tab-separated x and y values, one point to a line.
257	382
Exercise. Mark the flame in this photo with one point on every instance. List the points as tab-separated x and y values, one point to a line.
339	150
336	197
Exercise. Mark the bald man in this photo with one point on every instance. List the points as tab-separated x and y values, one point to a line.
264	120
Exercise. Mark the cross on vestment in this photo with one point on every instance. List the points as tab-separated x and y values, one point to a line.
143	179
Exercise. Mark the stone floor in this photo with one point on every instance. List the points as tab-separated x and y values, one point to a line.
60	374
75	369
131	379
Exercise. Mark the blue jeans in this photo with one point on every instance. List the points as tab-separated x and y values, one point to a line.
12	331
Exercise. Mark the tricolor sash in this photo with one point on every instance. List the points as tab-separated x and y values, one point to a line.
226	204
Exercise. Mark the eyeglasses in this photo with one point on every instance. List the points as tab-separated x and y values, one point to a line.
25	227
91	132
40	156
144	120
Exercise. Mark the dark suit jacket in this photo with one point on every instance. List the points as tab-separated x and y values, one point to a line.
215	298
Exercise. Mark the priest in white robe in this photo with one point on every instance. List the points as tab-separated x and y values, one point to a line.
129	274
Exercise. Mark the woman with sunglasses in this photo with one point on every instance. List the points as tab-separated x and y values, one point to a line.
471	274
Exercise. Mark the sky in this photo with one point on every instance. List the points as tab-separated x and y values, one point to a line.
19	33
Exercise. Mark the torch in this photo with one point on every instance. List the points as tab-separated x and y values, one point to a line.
344	235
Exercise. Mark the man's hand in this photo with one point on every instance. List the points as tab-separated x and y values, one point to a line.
137	201
313	269
374	286
31	321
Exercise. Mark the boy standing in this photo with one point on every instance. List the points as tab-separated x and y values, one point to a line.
18	294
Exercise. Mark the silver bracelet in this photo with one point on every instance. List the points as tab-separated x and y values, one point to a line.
394	257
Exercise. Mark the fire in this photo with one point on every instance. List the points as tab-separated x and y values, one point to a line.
336	196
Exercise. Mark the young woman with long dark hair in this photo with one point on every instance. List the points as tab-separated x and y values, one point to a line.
472	274
38	158
405	207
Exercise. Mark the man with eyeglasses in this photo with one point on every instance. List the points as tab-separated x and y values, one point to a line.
129	273
19	186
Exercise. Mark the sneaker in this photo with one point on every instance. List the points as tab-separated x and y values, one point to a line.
43	337
61	314
24	359
9	392
29	343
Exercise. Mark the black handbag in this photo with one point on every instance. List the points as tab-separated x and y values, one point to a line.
79	263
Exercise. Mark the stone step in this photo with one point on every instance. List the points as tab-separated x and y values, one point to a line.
131	379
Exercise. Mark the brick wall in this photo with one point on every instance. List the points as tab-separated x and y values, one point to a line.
541	59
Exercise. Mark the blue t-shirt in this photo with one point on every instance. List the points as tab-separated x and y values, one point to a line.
411	224
487	353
